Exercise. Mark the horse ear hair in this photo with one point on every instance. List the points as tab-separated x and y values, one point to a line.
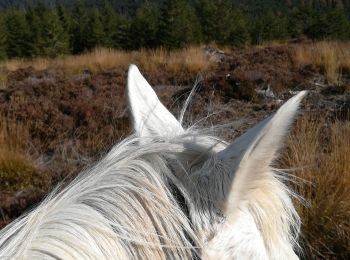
253	153
150	117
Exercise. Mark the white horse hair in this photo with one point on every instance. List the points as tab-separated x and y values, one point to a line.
124	207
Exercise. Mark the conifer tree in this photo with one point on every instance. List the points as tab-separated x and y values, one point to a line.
38	23
109	24
298	21
66	23
2	38
209	19
64	17
35	38
145	27
17	36
180	25
222	23
55	38
338	26
79	28
318	27
239	34
122	38
269	27
94	34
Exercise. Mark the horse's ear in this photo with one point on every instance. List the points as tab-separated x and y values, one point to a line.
150	117
252	154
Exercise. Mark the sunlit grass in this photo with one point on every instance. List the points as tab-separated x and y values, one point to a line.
190	60
3	80
17	171
320	151
333	57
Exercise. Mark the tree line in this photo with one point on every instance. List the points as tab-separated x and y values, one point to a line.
39	30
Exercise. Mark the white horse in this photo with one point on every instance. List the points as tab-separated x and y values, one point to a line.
169	193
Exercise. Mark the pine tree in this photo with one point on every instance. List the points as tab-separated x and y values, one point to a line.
122	38
55	38
2	38
17	35
40	21
239	34
222	23
298	21
35	24
318	27
338	26
66	23
64	17
145	27
94	34
79	28
209	18
109	24
180	25
269	27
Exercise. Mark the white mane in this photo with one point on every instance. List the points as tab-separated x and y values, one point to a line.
120	207
124	207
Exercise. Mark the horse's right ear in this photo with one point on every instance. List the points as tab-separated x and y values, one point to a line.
253	153
150	117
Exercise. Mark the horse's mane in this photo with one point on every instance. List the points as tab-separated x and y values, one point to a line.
121	207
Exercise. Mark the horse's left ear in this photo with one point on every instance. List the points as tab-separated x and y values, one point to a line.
150	117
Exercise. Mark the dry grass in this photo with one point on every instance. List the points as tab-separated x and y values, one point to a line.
3	77
320	151
190	60
3	80
17	171
332	57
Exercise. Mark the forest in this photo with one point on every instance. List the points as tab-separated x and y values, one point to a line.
52	28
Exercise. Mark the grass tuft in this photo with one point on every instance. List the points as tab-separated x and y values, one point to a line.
3	80
320	152
17	171
332	57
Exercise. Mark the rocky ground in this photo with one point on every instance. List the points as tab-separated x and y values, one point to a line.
74	119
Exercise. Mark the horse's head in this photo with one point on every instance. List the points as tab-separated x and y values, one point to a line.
231	203
237	203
